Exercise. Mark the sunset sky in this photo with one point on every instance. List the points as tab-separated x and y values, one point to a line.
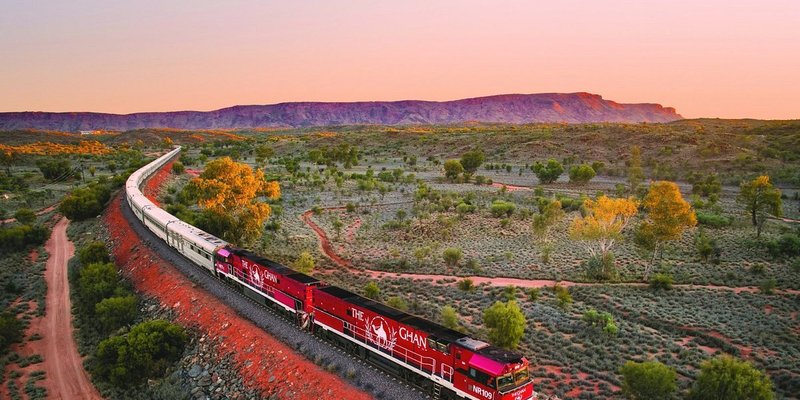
710	58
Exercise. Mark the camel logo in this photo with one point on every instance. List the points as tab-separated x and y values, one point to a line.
255	278
380	333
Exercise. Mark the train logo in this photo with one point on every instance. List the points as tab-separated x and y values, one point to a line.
380	333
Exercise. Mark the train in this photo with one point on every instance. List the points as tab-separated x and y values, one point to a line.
448	364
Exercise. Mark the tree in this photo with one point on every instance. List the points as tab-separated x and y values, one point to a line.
452	169
449	317
25	216
11	330
760	199
263	153
471	160
451	256
602	227
115	312
178	168
550	215
502	208
87	202
93	252
145	352
55	169
506	324
304	263
97	282
635	172
725	377
7	159
668	215
649	380
548	172
397	302
166	142
581	174
372	291
229	191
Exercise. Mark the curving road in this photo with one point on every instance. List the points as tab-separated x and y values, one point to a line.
66	378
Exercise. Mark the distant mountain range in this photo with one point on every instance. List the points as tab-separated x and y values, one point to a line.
508	108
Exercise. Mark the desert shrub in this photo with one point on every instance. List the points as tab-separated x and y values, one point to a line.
725	377
452	169
788	245
650	380
600	267
178	168
449	317
145	352
707	248
509	292
115	312
372	291
581	173
505	322
304	263
451	256
713	220
600	320
768	286
397	302
55	168
19	237
25	216
85	202
93	252
96	282
500	208
548	172
464	208
661	282
533	294
466	285
11	330
563	297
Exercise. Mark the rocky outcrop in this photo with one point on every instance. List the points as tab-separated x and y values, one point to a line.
511	108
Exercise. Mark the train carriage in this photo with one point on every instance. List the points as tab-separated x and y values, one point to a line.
289	289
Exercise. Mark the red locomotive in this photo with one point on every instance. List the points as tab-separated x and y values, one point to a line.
420	350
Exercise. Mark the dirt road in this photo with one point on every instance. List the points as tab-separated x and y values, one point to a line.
66	378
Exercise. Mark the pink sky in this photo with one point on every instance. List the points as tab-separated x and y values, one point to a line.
711	58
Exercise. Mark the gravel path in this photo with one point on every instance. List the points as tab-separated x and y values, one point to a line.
367	377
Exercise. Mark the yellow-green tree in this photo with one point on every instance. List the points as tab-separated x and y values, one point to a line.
506	323
603	223
668	215
229	193
760	199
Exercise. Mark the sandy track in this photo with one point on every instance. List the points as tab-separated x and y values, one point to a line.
66	378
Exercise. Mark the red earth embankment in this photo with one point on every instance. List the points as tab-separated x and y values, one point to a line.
264	363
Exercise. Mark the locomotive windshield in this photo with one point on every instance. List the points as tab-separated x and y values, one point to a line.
512	380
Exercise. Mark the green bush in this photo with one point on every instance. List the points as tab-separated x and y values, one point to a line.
500	208
55	169
713	220
178	168
788	245
144	353
506	323
85	202
10	331
372	291
397	302
650	380
25	216
725	377
115	312
581	174
548	172
661	282
451	256
96	282
93	252
466	285
19	237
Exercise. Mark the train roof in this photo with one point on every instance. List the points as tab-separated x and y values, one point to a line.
431	328
281	269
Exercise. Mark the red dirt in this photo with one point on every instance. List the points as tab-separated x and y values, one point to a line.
194	172
153	186
511	188
258	355
34	255
65	377
325	243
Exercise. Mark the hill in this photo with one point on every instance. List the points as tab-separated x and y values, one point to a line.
512	108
